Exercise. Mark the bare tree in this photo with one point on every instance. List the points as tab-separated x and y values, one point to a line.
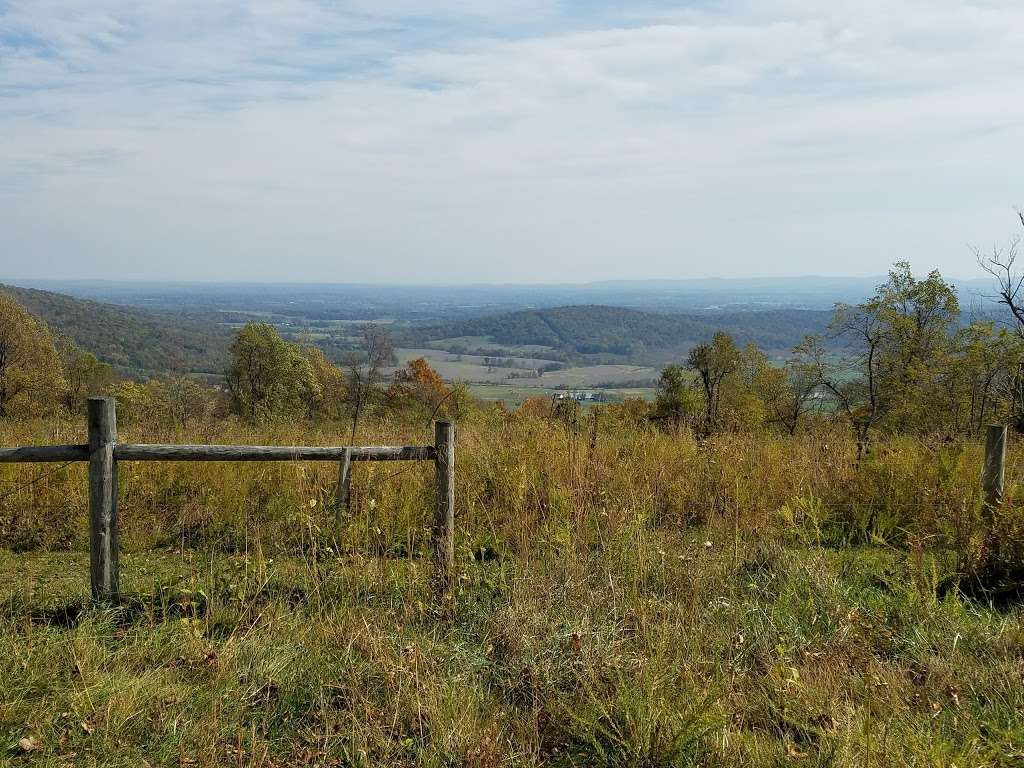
790	393
1001	263
860	399
365	373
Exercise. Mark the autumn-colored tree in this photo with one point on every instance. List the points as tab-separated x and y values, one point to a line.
418	385
537	407
31	379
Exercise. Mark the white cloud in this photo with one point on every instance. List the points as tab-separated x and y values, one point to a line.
458	139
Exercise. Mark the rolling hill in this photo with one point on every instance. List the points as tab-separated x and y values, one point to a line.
594	331
146	342
133	341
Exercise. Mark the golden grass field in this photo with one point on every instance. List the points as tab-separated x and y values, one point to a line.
624	598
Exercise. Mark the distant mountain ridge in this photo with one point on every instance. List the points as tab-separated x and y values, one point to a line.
431	304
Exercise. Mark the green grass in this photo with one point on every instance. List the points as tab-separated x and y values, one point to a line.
487	343
648	650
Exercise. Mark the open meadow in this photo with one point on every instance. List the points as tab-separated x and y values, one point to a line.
624	597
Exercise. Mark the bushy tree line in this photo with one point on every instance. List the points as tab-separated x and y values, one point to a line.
268	378
271	378
909	364
42	373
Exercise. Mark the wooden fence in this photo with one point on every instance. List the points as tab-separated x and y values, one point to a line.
104	452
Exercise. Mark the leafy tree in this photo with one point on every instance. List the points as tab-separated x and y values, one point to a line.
978	382
86	376
327	398
177	401
901	338
31	379
186	399
460	402
676	402
139	401
713	363
993	357
742	406
268	376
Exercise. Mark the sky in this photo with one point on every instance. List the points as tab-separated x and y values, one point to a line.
447	141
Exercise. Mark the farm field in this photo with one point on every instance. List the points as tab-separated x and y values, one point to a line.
485	344
473	369
514	395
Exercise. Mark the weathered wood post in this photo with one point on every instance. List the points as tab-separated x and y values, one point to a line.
994	471
103	543
992	482
443	538
343	491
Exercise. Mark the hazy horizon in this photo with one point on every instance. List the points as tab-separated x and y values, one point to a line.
540	142
638	282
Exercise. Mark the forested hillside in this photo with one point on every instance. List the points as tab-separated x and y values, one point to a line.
131	340
639	336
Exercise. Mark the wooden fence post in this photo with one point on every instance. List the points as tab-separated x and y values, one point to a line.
444	511
993	472
342	493
103	543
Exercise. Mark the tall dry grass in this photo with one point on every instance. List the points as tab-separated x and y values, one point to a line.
625	598
520	481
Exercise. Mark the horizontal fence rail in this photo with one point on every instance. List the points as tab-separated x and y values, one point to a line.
151	452
103	453
170	452
36	453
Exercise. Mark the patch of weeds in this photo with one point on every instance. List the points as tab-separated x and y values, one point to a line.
629	720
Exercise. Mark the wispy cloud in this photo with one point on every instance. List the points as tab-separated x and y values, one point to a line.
482	140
